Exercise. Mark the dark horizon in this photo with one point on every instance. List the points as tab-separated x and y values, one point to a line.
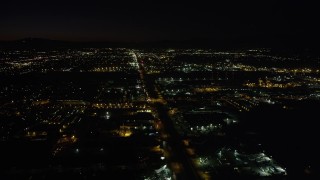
268	22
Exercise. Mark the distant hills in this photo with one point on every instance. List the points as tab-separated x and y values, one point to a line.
36	43
48	43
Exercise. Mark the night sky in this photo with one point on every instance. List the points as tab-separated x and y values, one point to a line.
144	21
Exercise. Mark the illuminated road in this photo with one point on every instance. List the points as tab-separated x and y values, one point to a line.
179	161
141	71
178	151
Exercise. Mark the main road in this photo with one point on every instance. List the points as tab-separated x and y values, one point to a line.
178	159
